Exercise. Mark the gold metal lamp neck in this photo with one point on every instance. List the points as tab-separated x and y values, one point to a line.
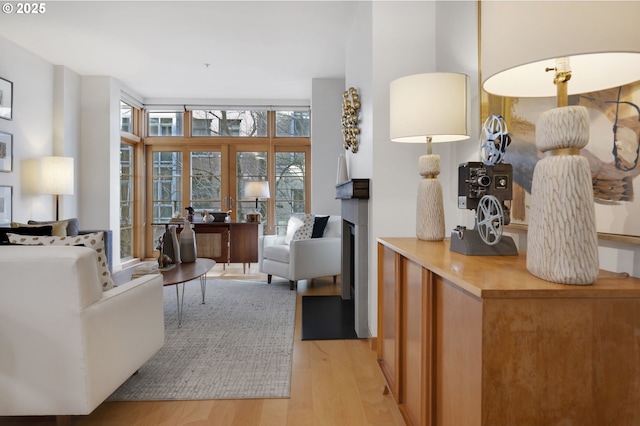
561	80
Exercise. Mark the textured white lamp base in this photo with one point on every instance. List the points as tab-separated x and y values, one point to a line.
562	240
430	207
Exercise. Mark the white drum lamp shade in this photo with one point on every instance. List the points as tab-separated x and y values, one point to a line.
431	104
597	51
426	108
256	189
57	177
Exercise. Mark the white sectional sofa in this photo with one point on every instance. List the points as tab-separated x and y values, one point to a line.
65	345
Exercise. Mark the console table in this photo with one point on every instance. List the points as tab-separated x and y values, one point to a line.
477	340
233	242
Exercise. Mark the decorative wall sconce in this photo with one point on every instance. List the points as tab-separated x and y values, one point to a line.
350	110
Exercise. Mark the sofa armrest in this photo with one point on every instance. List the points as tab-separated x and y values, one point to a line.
108	243
315	257
122	330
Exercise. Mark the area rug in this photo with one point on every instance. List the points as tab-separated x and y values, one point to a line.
327	318
237	345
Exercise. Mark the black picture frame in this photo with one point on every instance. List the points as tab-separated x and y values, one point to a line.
6	205
6	152
6	99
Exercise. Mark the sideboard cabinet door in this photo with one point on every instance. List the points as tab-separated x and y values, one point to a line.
388	317
414	358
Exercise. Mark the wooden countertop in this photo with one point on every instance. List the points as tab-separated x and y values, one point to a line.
503	276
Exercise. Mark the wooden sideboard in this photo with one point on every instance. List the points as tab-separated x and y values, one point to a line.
234	242
477	340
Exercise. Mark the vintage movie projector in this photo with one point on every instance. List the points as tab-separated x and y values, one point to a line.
486	188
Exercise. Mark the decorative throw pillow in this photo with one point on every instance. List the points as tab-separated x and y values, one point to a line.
320	222
293	224
31	230
59	229
93	240
73	225
304	232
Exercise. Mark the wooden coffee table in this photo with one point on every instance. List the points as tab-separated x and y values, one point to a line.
180	274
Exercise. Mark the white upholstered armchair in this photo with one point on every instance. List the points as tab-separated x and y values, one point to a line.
298	255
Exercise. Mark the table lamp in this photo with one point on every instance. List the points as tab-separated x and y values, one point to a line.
572	57
56	174
257	189
429	108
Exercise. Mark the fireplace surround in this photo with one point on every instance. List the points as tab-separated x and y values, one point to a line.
354	196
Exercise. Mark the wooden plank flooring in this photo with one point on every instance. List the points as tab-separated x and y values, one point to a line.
334	383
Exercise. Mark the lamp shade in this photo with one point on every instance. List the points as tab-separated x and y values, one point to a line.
56	175
521	39
256	189
430	104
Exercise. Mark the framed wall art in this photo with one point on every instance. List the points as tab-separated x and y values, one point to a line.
612	153
6	99
6	152
6	205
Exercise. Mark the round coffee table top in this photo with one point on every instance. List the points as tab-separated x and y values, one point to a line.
182	272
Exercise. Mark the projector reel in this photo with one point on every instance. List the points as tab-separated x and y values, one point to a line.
490	219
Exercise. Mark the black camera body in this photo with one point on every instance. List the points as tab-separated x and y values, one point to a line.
476	179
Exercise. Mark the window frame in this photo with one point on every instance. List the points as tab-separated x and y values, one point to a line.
228	146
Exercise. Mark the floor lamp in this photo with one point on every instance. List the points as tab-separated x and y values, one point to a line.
429	108
562	241
256	189
56	175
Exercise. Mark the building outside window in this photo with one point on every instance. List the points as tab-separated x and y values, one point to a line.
293	123
126	114
126	200
165	123
245	123
250	166
166	191
206	181
290	193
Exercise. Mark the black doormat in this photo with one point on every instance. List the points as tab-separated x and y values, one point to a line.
327	318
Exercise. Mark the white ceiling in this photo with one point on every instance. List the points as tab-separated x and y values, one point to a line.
256	50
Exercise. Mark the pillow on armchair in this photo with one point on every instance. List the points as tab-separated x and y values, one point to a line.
299	227
319	224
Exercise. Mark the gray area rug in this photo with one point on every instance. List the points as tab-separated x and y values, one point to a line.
237	345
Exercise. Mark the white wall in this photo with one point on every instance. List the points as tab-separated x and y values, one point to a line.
31	127
456	35
66	129
99	189
57	112
326	112
388	40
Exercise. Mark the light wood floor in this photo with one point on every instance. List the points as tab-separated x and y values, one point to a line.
334	383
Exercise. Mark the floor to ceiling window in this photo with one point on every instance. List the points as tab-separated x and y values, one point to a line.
130	190
126	200
204	157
